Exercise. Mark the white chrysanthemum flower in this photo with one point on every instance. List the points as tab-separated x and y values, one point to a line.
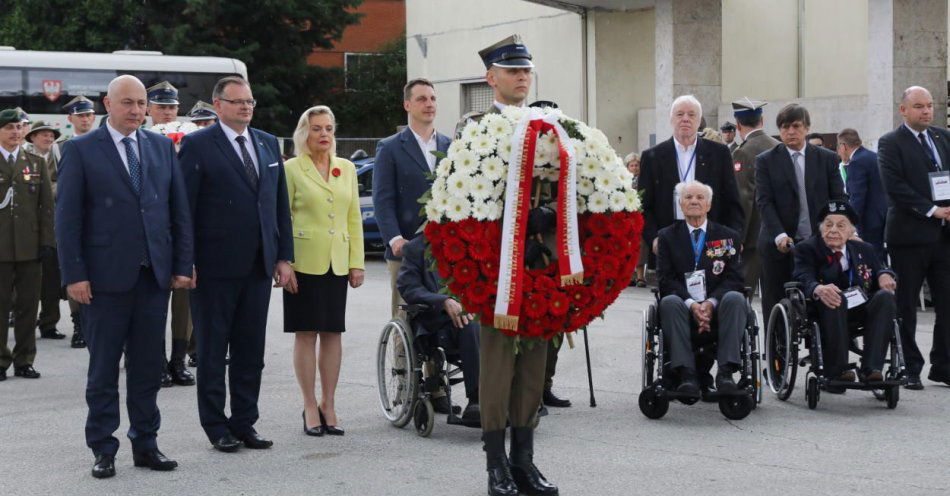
581	205
606	181
483	145
187	127
458	209
466	162
598	202
445	167
492	168
594	148
441	202
481	187
497	126
432	213
499	190
626	178
633	200
456	146
470	132
438	186
589	167
585	186
504	147
459	185
580	150
480	210
513	113
494	210
618	201
541	156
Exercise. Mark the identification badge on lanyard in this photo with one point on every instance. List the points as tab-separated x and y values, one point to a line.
696	284
677	210
940	185
855	297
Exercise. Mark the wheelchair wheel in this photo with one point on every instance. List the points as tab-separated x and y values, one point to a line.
781	351
892	395
736	407
396	367
649	354
653	405
812	392
424	417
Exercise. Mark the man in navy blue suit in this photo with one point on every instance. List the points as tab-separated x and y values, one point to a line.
125	239
865	189
404	162
238	196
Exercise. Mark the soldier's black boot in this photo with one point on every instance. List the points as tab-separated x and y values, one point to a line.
78	341
176	366
500	482
527	477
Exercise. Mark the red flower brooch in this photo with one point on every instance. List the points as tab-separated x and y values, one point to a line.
335	172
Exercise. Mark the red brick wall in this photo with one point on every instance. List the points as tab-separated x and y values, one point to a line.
382	21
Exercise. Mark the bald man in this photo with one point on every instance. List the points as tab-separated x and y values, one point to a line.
124	233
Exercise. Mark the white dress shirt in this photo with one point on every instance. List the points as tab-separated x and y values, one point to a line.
7	153
686	170
427	147
117	138
248	144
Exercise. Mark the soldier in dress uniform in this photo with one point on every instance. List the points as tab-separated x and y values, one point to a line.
40	141
203	114
748	114
81	114
26	236
728	132
511	383
163	108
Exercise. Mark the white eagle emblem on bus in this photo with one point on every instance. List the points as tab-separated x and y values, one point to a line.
52	88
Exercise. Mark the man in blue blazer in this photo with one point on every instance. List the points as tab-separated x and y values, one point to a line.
125	238
401	174
865	189
238	196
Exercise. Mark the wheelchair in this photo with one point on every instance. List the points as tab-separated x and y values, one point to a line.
406	386
793	321
659	384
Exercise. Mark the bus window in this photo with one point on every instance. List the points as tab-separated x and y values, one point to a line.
49	89
11	88
191	86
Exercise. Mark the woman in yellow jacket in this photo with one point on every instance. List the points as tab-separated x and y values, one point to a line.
328	253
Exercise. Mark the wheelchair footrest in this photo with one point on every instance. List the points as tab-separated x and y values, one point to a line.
863	386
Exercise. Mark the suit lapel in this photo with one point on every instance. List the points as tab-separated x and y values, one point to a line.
411	146
228	151
669	156
914	143
701	170
108	147
263	161
787	168
310	170
940	145
145	156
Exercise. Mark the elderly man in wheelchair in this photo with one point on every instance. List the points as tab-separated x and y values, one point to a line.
847	289
439	321
701	284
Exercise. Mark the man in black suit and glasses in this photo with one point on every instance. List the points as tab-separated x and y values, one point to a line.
793	181
914	161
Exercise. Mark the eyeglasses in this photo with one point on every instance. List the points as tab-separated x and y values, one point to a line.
250	103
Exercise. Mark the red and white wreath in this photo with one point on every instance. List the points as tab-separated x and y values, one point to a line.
478	213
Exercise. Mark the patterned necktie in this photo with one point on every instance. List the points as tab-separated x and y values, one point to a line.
135	167
930	151
248	163
838	256
804	224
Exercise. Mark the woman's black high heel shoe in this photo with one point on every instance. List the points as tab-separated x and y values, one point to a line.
329	429
311	431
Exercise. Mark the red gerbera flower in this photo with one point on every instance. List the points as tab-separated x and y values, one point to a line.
558	304
445	270
453	250
609	265
480	249
478	292
465	271
535	306
578	294
545	284
599	224
595	245
493	233
490	269
469	229
434	233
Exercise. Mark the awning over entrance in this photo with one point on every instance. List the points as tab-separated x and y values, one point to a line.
614	5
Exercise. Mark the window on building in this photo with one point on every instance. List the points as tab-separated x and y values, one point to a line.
359	69
476	97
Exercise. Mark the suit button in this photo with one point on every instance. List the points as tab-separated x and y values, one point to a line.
332	215
331	231
330	199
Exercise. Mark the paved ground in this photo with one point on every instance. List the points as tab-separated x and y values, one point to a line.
850	445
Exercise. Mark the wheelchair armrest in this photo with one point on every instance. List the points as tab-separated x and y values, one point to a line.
655	290
414	309
793	285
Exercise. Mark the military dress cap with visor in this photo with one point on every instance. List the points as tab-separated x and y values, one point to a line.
746	107
163	94
727	126
202	111
838	208
41	126
508	53
24	117
79	105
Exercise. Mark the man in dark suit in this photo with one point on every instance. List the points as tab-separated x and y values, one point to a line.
401	174
793	181
243	237
444	322
125	239
700	277
849	284
687	157
864	188
914	161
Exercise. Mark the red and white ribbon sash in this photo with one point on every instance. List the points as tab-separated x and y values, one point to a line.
517	204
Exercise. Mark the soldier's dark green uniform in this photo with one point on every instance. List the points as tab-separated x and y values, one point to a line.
511	381
26	230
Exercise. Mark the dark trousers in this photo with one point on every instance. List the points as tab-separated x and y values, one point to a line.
230	314
510	387
23	279
681	332
776	271
876	238
550	366
133	322
878	318
913	263
465	340
50	293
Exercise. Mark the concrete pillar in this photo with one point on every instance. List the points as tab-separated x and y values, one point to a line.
907	46
688	58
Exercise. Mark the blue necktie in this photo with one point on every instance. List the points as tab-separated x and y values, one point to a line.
135	167
930	151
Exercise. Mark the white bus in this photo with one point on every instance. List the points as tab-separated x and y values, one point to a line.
42	82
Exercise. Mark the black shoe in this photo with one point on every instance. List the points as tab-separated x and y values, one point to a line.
549	399
706	394
104	467
166	378
78	341
500	481
938	376
688	383
179	374
26	372
51	333
441	405
329	429
192	361
525	474
154	460
472	416
227	444
311	431
253	440
872	376
725	383
913	383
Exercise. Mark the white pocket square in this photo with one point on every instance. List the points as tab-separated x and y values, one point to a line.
272	165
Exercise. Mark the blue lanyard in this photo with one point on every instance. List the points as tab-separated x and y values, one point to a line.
697	247
689	166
